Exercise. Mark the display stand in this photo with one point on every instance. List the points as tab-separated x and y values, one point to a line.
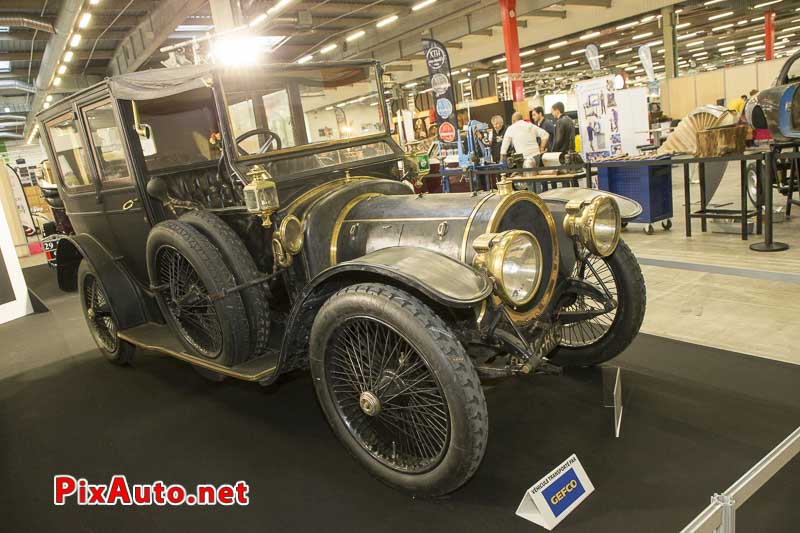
765	183
612	393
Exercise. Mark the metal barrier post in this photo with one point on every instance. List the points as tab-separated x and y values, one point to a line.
743	196
766	185
687	200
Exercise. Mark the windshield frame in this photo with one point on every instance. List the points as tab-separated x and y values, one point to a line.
310	148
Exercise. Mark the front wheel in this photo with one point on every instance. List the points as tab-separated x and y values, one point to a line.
603	337
398	389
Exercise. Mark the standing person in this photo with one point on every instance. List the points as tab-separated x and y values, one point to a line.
496	136
738	104
565	130
523	137
545	123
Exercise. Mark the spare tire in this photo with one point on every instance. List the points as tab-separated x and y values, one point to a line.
243	267
189	276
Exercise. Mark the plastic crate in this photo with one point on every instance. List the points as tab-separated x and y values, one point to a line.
651	186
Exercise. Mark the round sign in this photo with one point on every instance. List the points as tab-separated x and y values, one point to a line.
440	84
444	107
447	133
435	57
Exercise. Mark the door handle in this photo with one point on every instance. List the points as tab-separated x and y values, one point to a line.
127	206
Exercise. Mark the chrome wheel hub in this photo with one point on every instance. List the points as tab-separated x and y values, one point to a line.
369	403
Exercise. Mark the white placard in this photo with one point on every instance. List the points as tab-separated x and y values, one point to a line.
556	495
18	304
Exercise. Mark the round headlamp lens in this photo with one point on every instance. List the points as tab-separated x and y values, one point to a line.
606	227
522	268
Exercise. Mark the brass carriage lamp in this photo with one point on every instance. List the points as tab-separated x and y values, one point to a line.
261	195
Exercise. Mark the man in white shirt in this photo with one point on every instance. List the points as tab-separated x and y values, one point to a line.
523	137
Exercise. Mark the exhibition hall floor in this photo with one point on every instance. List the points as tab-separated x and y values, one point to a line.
695	419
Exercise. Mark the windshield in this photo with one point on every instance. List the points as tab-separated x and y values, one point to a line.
271	110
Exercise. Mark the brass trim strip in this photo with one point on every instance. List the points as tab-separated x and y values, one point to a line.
337	227
494	221
470	220
411	219
199	361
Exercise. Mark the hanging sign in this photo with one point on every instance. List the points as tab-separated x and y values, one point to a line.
647	62
557	494
438	62
593	56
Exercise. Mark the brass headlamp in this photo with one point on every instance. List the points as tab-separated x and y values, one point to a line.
596	224
261	195
514	259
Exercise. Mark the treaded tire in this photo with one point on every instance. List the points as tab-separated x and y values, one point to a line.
632	301
214	275
113	348
444	356
241	264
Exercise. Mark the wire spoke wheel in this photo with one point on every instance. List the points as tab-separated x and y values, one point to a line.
98	313
590	331
387	395
188	302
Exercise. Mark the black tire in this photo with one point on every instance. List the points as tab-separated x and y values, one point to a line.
100	317
441	372
220	331
752	184
614	333
241	264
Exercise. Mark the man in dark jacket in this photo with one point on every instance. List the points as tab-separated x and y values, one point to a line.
538	118
496	136
564	140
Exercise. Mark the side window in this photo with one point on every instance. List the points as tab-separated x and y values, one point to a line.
68	149
793	74
107	146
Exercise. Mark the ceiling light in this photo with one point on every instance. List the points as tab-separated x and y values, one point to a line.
726	48
589	35
386	21
688	35
764	4
570	63
68	56
84	20
577	52
499	60
326	49
46	105
526	65
547	69
712	2
481	76
527	53
647	19
700	54
757	19
356	35
721	15
790	29
57	81
609	43
305	59
623	65
423	4
410	85
655	43
624	50
94	2
628	25
723	27
759	47
62	69
502	71
695	43
630	69
642	35
748	53
558	44
551	58
48	98
683	25
76	40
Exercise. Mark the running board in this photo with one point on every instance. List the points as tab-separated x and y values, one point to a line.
160	338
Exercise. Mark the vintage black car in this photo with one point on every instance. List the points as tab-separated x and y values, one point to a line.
254	222
778	107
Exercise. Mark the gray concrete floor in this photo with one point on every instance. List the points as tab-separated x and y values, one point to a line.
711	289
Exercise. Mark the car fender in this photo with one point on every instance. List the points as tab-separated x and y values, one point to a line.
124	295
628	208
434	276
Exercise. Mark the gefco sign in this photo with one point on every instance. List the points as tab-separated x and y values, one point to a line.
556	495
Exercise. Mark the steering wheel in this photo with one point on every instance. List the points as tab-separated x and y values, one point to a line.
273	142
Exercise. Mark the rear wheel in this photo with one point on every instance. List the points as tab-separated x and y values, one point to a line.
190	277
100	317
603	337
398	389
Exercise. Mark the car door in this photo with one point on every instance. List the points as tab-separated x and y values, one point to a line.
118	197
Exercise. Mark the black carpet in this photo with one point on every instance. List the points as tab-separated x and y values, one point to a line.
695	419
